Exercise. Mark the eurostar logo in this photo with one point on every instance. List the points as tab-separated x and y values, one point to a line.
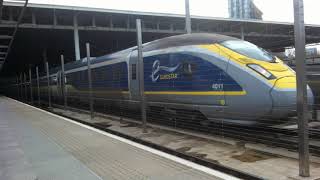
156	68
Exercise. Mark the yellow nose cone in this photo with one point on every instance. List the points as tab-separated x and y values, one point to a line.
286	83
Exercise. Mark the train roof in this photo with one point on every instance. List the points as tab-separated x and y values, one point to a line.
172	41
186	40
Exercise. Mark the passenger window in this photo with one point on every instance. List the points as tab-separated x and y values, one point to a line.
133	71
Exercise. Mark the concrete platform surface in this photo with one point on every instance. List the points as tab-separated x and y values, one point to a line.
38	145
264	161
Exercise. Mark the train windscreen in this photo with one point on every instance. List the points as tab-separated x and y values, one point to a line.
248	49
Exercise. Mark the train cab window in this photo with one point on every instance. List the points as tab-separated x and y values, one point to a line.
187	68
250	50
133	71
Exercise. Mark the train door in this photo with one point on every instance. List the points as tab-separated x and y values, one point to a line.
133	76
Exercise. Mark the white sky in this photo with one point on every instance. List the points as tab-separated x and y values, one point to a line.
274	10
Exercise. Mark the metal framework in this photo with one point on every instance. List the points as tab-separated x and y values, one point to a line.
15	30
188	18
302	106
141	76
92	19
269	35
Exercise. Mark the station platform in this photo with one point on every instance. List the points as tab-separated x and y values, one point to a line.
35	144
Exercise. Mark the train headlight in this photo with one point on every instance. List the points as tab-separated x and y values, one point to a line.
261	71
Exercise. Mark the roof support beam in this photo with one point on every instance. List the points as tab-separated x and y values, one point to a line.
5	37
3	47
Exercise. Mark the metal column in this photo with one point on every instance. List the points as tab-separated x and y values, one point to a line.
188	18
63	82
30	83
48	83
89	80
242	32
18	88
141	76
1	8
25	86
302	108
55	22
76	36
38	86
21	87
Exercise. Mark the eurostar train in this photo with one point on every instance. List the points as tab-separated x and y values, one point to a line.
220	77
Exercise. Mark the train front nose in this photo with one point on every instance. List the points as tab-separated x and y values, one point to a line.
284	97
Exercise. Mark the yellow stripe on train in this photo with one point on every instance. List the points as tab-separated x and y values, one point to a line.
197	93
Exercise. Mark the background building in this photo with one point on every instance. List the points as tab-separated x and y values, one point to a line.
244	9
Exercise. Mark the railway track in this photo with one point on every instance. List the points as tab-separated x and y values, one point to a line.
271	136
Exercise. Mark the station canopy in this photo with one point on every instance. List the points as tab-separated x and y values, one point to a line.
47	31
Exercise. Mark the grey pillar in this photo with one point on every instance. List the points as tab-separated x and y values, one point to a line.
48	84
76	37
25	86
55	21
33	18
63	82
158	25
241	9
18	88
1	8
111	22
128	22
38	86
21	87
89	80
302	108
10	14
94	21
242	32
188	18
30	83
171	27
141	76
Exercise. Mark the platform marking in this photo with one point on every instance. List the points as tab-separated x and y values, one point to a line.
143	147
